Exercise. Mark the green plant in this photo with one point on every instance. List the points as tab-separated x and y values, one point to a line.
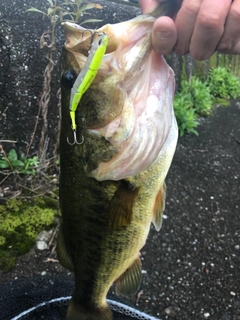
30	165
201	98
20	223
23	165
11	161
223	83
185	113
57	162
193	100
56	12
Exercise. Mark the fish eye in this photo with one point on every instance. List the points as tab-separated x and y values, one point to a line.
68	79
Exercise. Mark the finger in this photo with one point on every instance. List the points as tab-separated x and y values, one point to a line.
164	35
148	6
209	28
230	41
185	22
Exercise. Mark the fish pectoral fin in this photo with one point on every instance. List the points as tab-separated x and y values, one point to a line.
120	209
159	207
62	254
129	282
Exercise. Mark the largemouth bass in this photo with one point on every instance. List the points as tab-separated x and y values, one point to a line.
112	179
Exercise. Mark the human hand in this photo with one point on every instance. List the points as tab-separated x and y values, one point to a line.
200	28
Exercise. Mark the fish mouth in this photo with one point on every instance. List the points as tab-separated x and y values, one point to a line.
130	102
79	39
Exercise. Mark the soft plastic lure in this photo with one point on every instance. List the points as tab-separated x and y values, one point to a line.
86	77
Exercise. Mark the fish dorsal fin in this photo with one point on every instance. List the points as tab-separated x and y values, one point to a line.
62	254
130	280
121	206
159	207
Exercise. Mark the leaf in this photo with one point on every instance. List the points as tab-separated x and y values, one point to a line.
51	3
28	171
17	163
33	162
36	10
4	164
78	2
60	8
68	4
50	10
90	20
67	13
12	155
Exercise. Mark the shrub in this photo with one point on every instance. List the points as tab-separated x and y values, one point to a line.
196	98
193	100
223	84
200	95
185	113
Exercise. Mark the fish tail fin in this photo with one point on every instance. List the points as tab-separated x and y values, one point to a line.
78	312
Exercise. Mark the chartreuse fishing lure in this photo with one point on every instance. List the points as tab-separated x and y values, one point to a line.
86	77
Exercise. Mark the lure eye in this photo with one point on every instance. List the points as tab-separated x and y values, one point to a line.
68	79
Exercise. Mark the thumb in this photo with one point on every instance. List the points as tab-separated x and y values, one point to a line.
164	35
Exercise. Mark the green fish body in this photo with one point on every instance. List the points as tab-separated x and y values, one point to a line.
112	185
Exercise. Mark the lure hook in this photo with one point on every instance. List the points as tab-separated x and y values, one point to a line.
87	31
75	139
92	34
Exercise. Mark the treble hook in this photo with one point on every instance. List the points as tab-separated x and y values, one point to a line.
92	35
75	139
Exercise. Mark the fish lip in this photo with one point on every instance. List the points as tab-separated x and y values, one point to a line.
74	32
72	26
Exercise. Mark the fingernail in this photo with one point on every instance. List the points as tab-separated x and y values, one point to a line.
163	34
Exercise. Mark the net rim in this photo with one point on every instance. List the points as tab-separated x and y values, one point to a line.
114	305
